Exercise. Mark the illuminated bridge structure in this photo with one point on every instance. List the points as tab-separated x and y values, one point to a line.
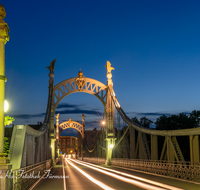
121	142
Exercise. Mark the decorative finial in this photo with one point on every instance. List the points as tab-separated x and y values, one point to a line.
109	68
2	12
57	116
80	80
80	74
109	74
51	69
52	65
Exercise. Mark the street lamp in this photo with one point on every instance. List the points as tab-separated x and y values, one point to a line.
6	106
111	146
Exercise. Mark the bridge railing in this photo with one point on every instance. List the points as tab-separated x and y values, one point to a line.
25	177
181	170
94	159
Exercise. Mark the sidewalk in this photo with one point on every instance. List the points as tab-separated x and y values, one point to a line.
50	181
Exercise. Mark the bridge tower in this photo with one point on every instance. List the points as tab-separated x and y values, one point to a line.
110	113
51	122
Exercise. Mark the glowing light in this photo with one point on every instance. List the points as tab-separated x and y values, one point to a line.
134	182
117	103
51	146
113	93
90	178
71	151
64	181
6	106
103	122
111	146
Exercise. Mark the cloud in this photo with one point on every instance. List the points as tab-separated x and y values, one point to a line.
80	111
149	113
27	116
157	113
65	111
66	105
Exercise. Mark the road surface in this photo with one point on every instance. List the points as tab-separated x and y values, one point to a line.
71	174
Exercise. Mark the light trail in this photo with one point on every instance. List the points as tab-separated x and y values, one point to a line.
132	181
64	180
134	177
102	185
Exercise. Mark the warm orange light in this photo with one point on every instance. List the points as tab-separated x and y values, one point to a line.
104	186
137	183
103	122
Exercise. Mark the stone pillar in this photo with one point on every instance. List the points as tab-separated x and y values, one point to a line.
132	143
154	147
4	37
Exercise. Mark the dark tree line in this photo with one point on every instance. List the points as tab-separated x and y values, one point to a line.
172	122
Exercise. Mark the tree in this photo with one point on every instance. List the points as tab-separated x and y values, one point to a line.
135	120
6	146
7	121
144	121
180	121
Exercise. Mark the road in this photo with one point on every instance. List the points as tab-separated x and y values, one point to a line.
75	174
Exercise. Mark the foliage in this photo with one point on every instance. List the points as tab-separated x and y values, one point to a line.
6	146
180	121
8	120
172	122
144	121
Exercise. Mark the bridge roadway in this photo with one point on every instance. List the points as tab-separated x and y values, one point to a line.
71	178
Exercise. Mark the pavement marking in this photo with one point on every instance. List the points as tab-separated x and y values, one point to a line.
133	176
102	185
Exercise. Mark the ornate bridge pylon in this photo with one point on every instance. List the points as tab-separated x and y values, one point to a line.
70	125
90	86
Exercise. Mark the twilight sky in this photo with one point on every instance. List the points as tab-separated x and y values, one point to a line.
154	47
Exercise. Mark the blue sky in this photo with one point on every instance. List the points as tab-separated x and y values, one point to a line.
154	47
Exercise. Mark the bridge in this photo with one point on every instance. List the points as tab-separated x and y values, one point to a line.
122	144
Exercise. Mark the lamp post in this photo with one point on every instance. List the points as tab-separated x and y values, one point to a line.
4	37
57	134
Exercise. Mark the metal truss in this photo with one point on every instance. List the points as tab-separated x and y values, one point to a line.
70	86
73	125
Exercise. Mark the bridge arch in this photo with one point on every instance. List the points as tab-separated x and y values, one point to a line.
72	125
79	84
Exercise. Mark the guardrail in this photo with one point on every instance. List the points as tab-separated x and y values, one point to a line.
24	178
182	170
94	159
